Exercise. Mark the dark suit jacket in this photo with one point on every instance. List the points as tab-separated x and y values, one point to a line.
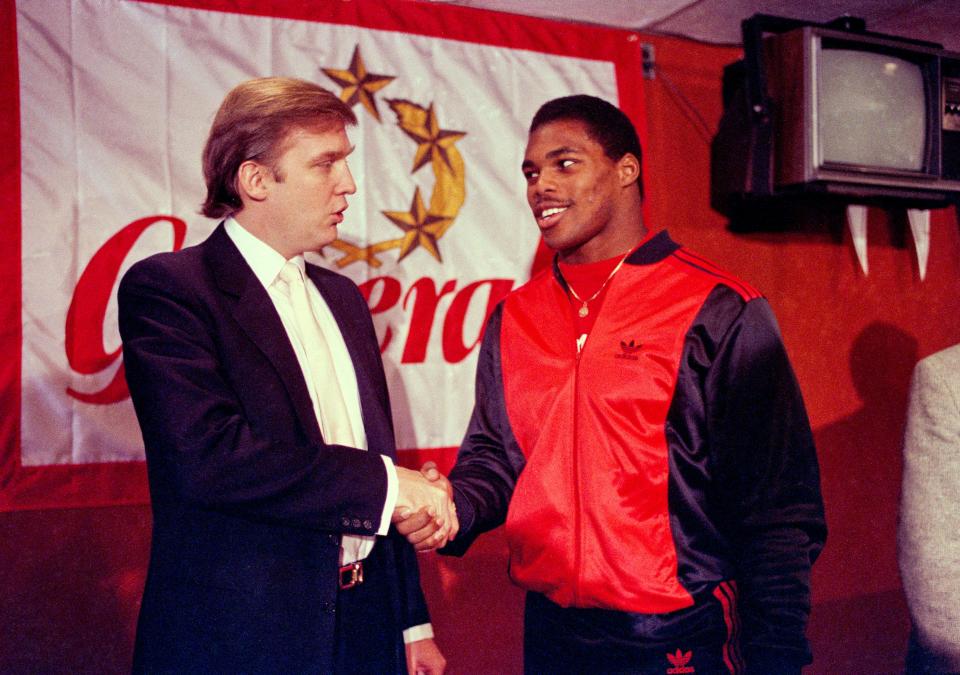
248	501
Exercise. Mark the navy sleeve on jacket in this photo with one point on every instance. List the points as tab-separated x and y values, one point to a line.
768	486
489	460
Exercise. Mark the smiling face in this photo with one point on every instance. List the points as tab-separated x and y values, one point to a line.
305	190
585	204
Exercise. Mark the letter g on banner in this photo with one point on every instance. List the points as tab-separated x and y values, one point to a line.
88	309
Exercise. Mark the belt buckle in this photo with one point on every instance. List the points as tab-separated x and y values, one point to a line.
351	575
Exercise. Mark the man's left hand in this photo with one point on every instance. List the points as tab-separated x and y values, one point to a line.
419	527
424	658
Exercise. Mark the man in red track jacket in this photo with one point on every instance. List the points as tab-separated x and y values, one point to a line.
640	431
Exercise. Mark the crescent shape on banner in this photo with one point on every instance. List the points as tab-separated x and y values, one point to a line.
423	226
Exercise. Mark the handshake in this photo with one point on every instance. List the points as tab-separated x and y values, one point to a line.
425	513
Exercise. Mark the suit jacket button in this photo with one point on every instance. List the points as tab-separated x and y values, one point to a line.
368	525
356	522
345	522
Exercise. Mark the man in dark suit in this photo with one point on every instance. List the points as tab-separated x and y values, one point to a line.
260	392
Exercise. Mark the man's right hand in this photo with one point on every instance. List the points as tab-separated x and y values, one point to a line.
425	513
424	527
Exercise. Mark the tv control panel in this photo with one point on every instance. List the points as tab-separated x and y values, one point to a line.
951	103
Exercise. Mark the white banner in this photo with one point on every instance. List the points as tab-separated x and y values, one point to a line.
116	99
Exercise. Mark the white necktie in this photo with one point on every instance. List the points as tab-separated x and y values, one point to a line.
329	404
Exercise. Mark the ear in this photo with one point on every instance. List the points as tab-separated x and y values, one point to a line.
628	167
253	181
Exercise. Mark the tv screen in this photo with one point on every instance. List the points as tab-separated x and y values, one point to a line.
837	112
871	110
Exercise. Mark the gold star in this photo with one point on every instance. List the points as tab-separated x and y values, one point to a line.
422	126
420	227
358	84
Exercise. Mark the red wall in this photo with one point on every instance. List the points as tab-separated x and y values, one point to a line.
70	580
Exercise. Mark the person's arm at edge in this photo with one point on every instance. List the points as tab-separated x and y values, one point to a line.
929	552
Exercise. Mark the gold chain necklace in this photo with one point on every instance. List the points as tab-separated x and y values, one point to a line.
584	311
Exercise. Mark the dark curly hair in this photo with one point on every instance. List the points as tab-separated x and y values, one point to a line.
607	124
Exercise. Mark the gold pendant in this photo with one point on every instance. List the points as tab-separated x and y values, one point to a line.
583	311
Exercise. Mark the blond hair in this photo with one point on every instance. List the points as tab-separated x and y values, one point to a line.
252	123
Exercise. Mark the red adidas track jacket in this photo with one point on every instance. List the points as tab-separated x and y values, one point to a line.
673	454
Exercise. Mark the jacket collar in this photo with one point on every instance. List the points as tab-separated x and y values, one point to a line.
656	249
653	250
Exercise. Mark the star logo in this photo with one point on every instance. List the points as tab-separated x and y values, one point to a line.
433	143
679	661
359	85
425	223
422	227
680	658
628	350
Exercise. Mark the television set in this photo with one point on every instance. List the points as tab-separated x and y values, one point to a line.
837	111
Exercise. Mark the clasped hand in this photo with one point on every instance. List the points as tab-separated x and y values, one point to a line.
425	513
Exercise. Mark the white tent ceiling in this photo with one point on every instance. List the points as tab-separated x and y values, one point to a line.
718	21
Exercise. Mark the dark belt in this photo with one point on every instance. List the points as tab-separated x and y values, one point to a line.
351	575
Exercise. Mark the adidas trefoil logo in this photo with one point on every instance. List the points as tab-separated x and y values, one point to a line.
628	350
679	660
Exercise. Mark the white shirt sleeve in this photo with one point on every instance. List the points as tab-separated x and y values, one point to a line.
422	632
393	490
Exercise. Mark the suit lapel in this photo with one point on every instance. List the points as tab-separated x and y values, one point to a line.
257	317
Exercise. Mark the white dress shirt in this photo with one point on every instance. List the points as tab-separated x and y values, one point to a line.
266	264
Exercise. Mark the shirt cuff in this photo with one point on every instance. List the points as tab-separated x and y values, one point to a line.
393	489
415	633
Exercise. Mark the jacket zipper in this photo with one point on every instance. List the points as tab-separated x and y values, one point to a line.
575	485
